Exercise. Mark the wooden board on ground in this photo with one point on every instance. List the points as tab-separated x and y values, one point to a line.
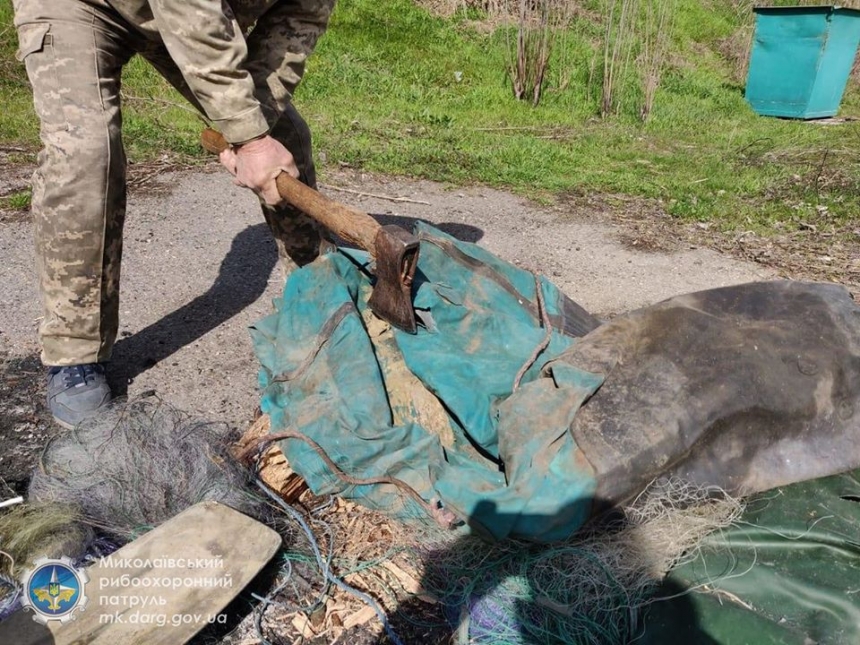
147	594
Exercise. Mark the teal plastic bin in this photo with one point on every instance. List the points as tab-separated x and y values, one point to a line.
801	59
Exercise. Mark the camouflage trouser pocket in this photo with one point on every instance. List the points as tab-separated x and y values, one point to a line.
36	50
31	39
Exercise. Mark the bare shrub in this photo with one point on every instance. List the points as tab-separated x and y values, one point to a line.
735	49
636	43
537	26
618	43
539	23
493	8
657	24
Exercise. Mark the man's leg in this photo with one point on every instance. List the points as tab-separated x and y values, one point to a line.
278	48
74	62
300	238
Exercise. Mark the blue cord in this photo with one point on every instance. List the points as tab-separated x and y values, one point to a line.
323	565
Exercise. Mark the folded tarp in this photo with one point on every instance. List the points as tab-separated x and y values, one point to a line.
505	459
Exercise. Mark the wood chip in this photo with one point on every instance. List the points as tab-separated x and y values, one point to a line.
362	616
409	583
303	626
317	617
356	580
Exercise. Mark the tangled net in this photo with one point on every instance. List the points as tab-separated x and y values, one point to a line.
590	590
35	530
139	464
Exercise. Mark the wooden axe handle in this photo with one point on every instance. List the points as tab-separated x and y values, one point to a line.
352	225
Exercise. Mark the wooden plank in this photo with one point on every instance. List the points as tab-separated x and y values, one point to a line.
130	601
407	581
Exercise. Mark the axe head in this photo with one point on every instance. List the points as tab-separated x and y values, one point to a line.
396	256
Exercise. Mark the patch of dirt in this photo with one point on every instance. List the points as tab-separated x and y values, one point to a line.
14	215
819	250
805	254
642	221
150	178
17	169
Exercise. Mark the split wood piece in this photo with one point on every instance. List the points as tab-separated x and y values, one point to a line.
408	581
275	470
303	626
361	617
408	397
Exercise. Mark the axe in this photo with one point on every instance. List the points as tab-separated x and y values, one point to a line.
394	249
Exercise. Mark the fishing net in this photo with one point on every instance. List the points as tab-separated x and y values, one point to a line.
785	572
10	594
436	586
589	590
35	530
115	477
138	465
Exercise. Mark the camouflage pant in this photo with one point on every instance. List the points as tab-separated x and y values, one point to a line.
74	52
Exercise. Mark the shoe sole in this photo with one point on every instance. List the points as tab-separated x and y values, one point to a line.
63	424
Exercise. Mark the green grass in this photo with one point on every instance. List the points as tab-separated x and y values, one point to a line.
17	124
381	94
16	201
156	119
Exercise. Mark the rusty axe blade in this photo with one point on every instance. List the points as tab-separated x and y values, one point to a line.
396	258
394	249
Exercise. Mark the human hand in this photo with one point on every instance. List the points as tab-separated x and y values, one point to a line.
256	164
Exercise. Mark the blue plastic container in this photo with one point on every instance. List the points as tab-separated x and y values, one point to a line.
801	59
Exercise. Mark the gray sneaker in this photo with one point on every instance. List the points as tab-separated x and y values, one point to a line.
77	392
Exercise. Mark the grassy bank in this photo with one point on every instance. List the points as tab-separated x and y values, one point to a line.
395	89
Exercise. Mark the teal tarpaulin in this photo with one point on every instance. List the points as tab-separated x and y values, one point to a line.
543	416
507	463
